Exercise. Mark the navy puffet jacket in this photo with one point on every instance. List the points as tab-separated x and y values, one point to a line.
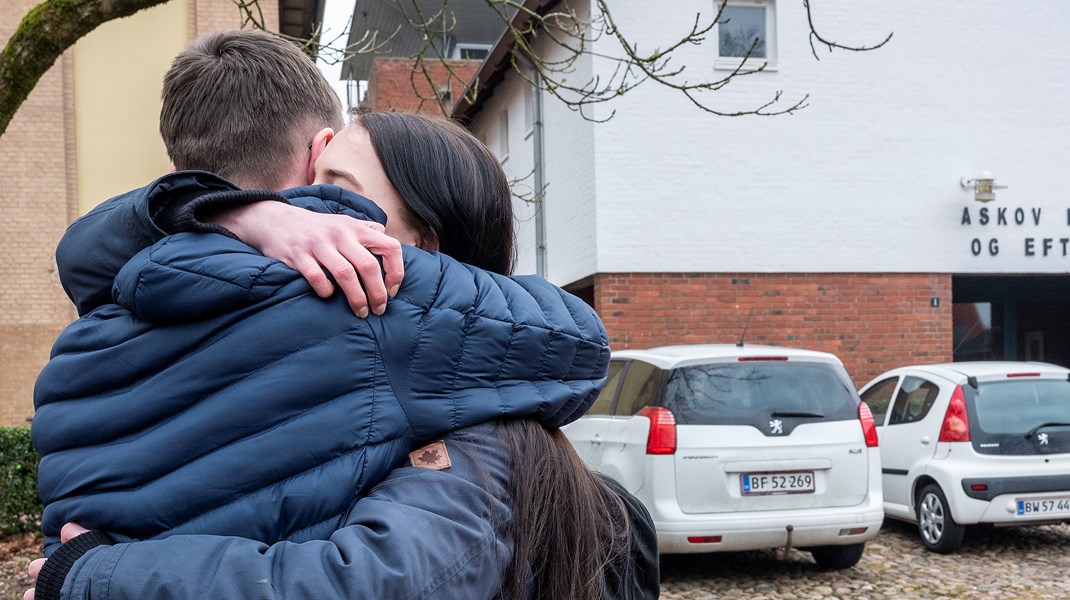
221	395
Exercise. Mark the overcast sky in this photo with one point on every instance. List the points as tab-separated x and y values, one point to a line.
337	16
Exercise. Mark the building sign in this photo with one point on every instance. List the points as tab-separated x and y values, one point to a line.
1002	231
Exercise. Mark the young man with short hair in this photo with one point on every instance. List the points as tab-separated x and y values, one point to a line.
243	110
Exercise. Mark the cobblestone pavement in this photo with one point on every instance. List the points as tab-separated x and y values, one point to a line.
1028	562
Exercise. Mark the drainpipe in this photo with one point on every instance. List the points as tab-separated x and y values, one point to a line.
540	174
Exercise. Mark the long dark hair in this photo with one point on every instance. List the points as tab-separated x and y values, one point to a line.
452	184
457	188
570	530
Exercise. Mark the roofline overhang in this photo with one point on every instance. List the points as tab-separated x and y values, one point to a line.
492	71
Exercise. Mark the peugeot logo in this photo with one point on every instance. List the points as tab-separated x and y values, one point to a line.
1042	439
776	427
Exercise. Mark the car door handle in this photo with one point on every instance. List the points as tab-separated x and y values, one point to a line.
597	440
925	440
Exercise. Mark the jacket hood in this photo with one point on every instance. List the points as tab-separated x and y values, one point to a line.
206	278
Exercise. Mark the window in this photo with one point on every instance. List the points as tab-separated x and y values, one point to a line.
470	51
977	331
913	401
604	404
879	397
640	388
1002	412
746	33
747	392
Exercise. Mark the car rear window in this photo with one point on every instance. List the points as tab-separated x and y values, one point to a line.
1005	411
751	392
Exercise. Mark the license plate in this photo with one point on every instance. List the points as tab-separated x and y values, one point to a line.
795	482
1028	507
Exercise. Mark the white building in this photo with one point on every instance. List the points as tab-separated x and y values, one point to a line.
843	227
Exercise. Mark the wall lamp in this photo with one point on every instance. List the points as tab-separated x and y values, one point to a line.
984	186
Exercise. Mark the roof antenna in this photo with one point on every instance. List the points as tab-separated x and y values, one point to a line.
745	325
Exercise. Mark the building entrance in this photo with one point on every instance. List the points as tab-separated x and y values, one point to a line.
1011	317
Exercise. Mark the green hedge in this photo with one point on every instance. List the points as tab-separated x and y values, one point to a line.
20	506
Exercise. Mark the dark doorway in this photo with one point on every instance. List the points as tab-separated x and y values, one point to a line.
1012	317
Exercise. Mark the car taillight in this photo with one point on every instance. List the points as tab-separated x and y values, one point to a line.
662	436
956	427
869	426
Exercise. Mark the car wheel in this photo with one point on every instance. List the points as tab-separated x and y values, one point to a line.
837	557
939	531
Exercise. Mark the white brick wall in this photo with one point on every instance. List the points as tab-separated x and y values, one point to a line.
865	179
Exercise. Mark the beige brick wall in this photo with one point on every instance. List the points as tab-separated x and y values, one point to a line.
39	199
35	196
206	16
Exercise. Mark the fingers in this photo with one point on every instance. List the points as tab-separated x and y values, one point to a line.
348	249
310	269
393	265
34	568
357	265
71	531
344	269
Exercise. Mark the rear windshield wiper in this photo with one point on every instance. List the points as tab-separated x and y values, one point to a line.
797	413
1034	430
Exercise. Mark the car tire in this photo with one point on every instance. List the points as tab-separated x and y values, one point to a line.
936	526
837	557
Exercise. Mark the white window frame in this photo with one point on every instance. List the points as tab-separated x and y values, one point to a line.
458	48
730	63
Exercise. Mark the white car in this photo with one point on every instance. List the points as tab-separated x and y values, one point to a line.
973	442
739	448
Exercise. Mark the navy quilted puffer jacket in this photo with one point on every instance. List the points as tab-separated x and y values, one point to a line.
221	395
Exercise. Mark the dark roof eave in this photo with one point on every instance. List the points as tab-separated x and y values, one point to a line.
493	69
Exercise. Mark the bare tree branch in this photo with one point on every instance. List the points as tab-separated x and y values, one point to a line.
43	34
815	36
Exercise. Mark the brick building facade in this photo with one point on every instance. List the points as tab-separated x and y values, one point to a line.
869	320
399	84
39	167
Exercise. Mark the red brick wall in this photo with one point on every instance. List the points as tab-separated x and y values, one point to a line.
394	85
873	322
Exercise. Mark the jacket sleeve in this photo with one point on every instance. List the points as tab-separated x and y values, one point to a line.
460	346
97	245
464	346
419	534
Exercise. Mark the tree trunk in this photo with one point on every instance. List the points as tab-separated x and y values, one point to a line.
44	33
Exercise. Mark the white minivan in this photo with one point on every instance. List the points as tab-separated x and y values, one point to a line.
740	448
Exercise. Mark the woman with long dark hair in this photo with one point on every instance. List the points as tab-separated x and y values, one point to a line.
505	509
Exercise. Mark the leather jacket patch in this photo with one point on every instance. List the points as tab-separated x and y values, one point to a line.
431	456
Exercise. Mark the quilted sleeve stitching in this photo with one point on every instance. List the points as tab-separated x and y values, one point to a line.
455	409
502	404
577	338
